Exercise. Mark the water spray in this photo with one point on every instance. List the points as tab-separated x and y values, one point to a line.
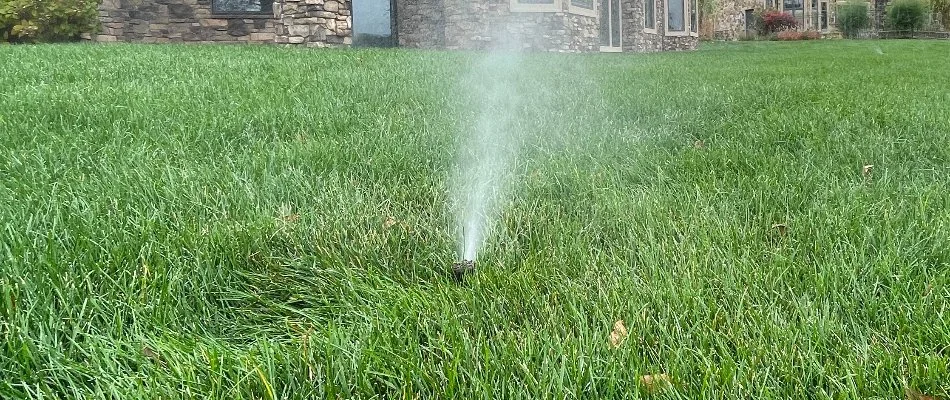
489	151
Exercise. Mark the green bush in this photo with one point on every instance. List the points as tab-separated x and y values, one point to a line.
47	20
852	18
907	15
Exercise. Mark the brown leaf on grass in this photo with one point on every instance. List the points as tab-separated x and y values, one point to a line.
148	352
866	171
389	222
655	382
287	214
781	228
619	334
913	394
699	144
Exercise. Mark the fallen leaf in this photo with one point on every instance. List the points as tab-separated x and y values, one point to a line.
287	213
148	352
913	394
866	171
655	382
699	144
782	229
619	334
389	222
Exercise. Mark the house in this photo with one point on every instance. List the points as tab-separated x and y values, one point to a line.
735	18
537	25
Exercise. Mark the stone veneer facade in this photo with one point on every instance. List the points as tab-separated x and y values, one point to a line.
730	18
480	24
448	24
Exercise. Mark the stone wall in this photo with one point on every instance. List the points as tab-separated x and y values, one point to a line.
636	39
316	23
306	22
420	23
451	24
481	24
730	18
152	21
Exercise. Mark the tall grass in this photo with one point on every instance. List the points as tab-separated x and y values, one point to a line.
257	222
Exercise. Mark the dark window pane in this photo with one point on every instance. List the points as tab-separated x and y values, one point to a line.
676	20
605	23
693	16
588	4
615	23
649	14
242	6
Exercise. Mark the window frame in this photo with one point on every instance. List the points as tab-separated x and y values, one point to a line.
587	12
645	27
517	6
691	12
666	20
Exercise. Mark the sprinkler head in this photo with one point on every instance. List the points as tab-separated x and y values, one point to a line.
461	268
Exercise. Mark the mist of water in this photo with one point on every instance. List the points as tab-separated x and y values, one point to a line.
490	147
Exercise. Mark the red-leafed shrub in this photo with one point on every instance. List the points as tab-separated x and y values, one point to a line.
777	21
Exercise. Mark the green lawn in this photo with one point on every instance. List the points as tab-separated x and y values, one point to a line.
259	222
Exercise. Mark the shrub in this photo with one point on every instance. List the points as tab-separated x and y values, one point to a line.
789	35
47	20
852	18
796	35
777	21
907	15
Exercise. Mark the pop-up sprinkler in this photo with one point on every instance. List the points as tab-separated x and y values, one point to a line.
461	268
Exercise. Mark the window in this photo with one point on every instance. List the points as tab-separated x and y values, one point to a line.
534	6
583	7
797	9
373	23
693	17
676	17
649	15
242	7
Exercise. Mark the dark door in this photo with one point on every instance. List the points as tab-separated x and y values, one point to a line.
749	21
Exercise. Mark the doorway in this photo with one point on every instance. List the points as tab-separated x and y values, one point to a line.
373	23
749	22
610	29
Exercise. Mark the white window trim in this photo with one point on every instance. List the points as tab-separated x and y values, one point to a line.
611	48
666	19
587	12
516	6
655	21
